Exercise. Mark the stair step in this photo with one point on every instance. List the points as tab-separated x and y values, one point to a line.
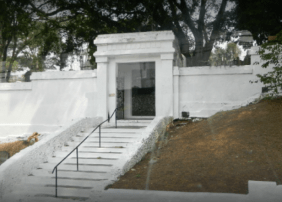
98	160
102	154
105	139
37	190
96	144
120	130
93	149
61	182
111	135
128	125
121	124
72	174
98	167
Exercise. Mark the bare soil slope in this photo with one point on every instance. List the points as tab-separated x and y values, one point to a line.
218	154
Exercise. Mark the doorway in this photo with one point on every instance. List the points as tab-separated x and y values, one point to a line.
136	90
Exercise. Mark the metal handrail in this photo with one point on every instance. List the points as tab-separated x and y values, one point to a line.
76	148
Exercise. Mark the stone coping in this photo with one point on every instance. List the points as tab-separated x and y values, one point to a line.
207	70
63	75
134	37
15	86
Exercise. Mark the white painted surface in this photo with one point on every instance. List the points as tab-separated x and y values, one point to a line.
48	102
53	98
204	91
140	147
102	83
22	163
164	86
121	143
160	47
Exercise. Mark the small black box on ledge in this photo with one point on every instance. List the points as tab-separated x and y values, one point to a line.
185	114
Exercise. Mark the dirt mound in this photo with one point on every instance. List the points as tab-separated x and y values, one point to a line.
14	147
218	154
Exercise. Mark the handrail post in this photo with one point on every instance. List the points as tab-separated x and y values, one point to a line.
56	167
116	117
100	136
56	182
77	158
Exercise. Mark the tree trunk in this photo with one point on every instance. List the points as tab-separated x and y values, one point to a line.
9	71
14	56
2	72
200	57
3	65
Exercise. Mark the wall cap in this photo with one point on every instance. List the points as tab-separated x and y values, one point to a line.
134	37
63	75
207	70
15	86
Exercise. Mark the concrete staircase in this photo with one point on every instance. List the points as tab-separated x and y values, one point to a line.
95	164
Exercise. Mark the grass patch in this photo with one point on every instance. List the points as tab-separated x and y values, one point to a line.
14	147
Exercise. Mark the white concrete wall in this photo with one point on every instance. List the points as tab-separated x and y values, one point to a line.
203	91
46	103
23	162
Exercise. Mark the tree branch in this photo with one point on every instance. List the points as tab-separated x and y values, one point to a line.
187	18
47	14
216	26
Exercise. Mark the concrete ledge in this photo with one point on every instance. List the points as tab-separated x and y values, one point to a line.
169	196
134	37
265	191
63	75
197	71
15	86
142	51
22	163
140	148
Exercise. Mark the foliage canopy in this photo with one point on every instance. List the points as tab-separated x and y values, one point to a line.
225	56
262	18
197	24
271	55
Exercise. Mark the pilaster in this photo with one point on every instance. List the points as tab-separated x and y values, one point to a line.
102	83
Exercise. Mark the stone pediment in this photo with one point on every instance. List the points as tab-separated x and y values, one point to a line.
135	43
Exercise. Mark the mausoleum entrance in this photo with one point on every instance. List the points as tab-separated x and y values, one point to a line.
135	94
135	71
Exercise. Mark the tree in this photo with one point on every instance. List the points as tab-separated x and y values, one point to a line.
44	40
225	56
23	31
262	18
14	22
197	24
271	54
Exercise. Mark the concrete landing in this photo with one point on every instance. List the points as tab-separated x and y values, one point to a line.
258	192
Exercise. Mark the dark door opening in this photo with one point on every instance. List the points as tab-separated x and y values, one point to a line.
136	90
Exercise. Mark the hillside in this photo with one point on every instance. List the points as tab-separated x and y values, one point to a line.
218	154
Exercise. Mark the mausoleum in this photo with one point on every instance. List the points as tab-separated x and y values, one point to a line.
135	72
